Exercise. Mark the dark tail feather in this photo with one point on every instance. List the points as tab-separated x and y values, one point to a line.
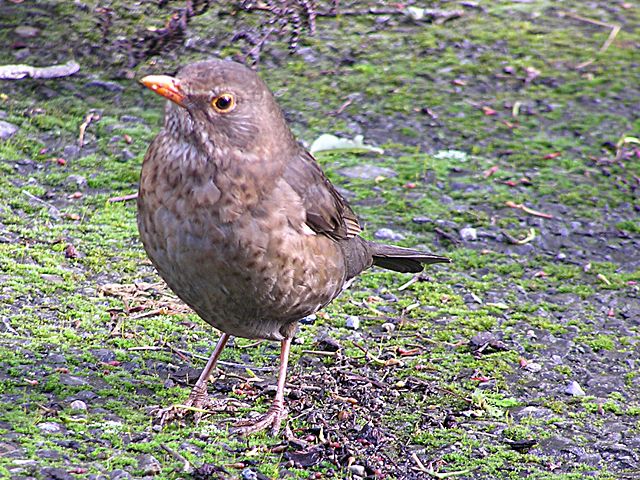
402	259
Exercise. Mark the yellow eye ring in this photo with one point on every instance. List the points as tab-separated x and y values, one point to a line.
224	103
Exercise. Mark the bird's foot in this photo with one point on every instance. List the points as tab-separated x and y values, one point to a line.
272	419
196	404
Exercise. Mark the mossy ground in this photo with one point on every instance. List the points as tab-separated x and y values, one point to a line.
470	380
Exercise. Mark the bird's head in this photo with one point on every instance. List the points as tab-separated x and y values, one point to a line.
220	103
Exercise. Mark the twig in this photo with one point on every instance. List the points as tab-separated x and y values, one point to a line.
530	236
251	345
448	236
430	471
91	117
528	210
356	377
254	52
414	279
369	356
10	329
342	107
123	198
615	29
114	330
186	465
321	353
51	208
16	72
199	357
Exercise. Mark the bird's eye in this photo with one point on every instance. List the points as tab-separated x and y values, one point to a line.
224	103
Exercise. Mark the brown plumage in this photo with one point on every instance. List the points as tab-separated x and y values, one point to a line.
240	220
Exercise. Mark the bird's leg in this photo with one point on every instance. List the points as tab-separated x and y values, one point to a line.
198	398
276	413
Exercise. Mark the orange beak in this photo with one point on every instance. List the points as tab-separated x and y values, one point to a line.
168	87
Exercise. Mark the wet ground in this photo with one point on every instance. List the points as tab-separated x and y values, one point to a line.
510	144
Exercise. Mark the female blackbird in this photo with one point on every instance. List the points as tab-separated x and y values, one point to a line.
241	222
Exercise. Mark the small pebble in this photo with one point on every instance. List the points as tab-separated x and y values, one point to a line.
70	151
471	298
78	405
77	181
25	31
533	367
469	234
51	278
119	474
388	234
353	322
574	389
50	427
367	172
149	464
7	130
126	155
249	474
357	470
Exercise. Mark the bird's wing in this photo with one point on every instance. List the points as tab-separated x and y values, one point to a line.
326	211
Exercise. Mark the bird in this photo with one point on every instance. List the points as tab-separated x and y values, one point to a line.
240	220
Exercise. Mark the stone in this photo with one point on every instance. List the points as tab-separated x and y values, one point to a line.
106	85
77	182
50	427
249	474
119	474
149	464
388	234
54	473
574	388
367	172
55	358
72	380
78	405
7	130
353	322
26	31
51	278
357	470
533	367
104	355
70	151
468	234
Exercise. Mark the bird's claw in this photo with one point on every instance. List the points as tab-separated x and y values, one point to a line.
196	404
272	418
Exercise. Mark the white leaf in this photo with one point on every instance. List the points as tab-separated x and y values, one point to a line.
328	142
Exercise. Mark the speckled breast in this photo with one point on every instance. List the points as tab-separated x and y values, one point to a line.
253	275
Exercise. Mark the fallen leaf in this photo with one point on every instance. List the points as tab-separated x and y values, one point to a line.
327	142
490	171
408	353
70	251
